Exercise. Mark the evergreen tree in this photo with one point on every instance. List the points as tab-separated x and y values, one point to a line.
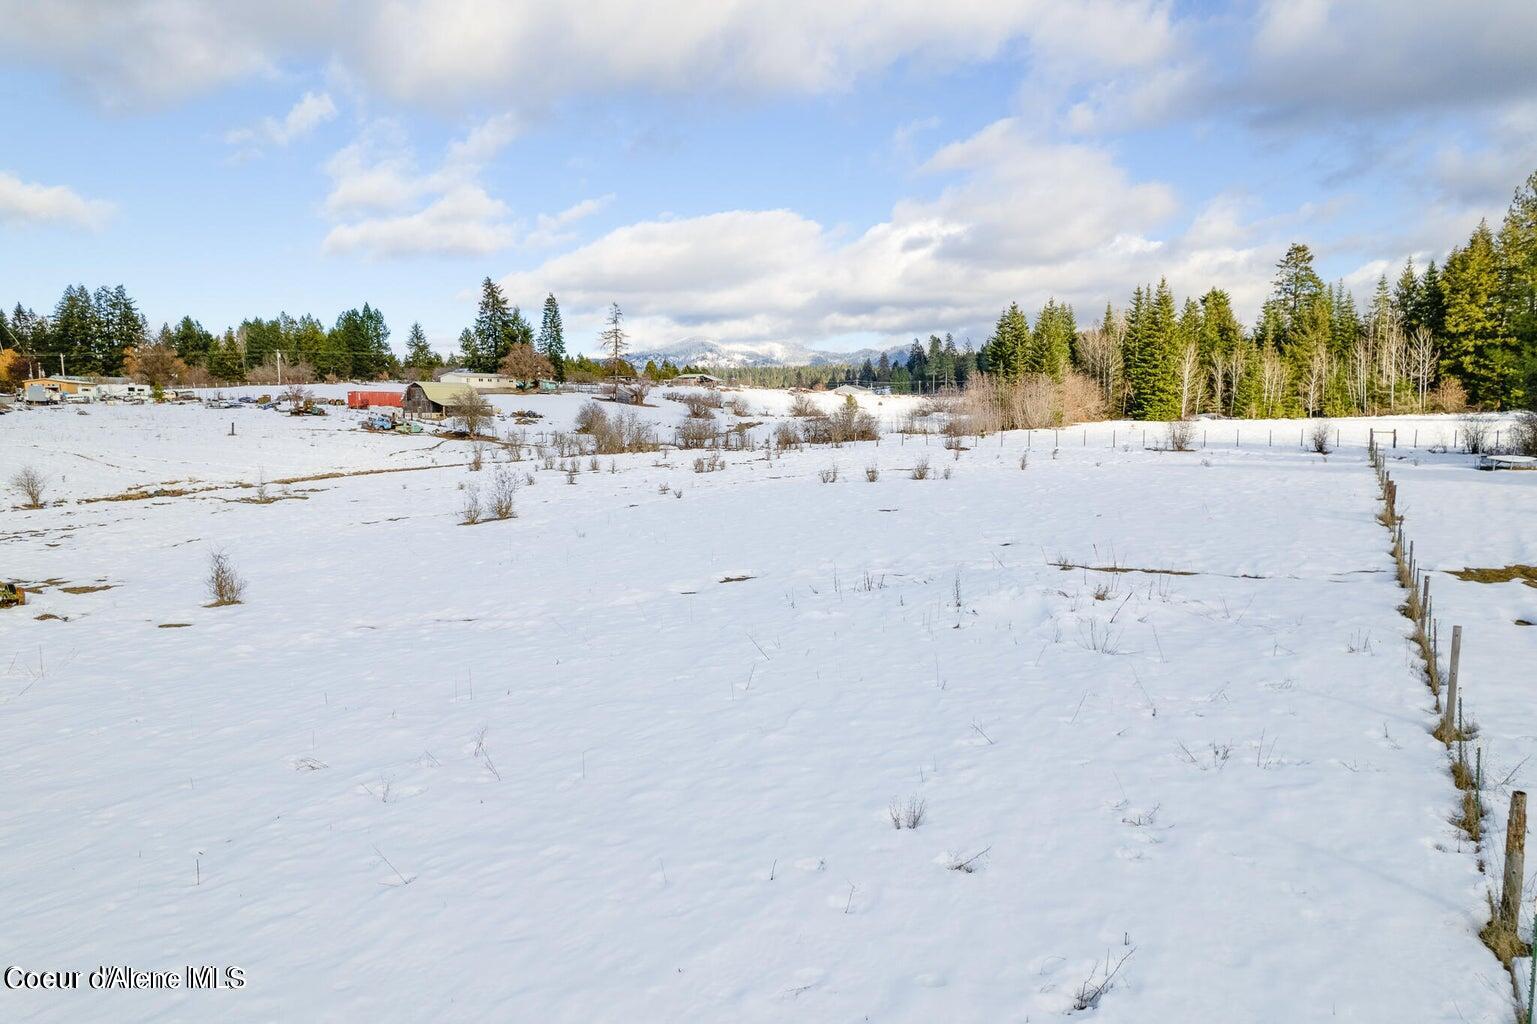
552	336
225	360
469	349
76	331
1431	313
123	328
1009	348
192	341
7	336
1051	343
1406	296
419	355
1149	355
1297	284
1479	350
492	330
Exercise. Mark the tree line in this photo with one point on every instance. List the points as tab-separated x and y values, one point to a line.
103	333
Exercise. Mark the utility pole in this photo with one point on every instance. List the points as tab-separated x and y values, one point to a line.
61	364
280	368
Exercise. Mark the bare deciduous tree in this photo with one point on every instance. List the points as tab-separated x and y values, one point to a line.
31	484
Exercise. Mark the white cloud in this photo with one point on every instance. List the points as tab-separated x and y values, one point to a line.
310	112
436	51
24	202
462	221
550	228
385	206
1028	219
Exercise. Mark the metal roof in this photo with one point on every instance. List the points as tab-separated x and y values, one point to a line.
440	393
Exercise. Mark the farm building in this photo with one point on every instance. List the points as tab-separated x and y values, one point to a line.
366	399
121	387
430	400
478	381
63	387
705	379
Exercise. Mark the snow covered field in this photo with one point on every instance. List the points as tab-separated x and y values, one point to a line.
634	754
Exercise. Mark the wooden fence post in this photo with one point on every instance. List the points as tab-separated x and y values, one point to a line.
1451	683
1515	860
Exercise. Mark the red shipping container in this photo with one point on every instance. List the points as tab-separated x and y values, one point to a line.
364	399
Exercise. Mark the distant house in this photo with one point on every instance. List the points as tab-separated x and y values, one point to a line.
40	391
851	389
475	379
703	379
61	388
429	400
121	388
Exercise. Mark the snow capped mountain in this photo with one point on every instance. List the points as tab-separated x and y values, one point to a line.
701	351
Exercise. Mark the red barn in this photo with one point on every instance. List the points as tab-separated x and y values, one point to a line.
364	399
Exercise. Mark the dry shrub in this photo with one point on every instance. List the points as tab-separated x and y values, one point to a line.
471	410
224	584
828	475
31	484
1080	399
696	433
737	406
786	436
849	423
469	512
702	405
1319	438
635	392
872	472
504	493
1474	433
802	406
299	399
290	373
711	465
1449	396
1181	435
617	433
477	456
1032	402
921	468
1523	435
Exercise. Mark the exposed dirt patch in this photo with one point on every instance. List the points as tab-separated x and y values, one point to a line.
88	590
173	625
1525	573
734	579
50	617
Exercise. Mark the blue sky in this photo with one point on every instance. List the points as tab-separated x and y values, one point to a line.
786	172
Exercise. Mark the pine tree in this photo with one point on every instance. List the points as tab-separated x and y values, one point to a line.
1149	355
552	336
225	359
1479	350
1051	344
191	341
469	349
76	330
493	324
1406	296
1296	285
419	355
7	336
123	328
1431	312
1008	350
